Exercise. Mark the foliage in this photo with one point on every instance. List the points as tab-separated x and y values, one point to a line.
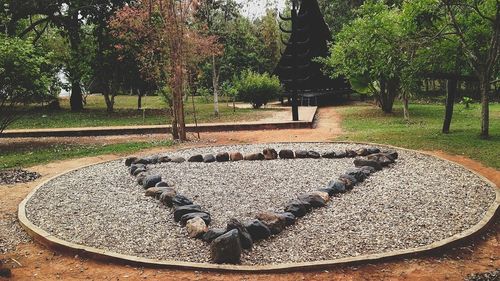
258	89
23	79
466	101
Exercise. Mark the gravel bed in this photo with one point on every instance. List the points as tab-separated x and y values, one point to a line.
418	201
11	234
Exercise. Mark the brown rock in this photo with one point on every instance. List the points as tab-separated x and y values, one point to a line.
322	194
157	191
236	156
254	157
270	154
275	222
196	227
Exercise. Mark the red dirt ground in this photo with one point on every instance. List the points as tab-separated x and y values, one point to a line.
31	261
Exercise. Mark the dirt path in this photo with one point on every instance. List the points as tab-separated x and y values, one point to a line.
31	261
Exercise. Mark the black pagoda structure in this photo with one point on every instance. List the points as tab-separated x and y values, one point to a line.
308	39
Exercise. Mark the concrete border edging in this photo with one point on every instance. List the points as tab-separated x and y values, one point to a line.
53	242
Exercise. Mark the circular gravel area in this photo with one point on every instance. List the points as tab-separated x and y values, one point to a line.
418	201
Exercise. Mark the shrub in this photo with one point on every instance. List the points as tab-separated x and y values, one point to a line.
257	89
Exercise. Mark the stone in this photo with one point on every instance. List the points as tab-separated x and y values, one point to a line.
181	200
151	181
286	154
337	186
167	196
162	184
362	152
157	191
392	153
288	217
270	154
313	154
213	233
340	154
180	211
143	161
138	171
381	158
5	272
203	215
322	194
222	157
348	180
257	230
297	207
255	157
372	150
196	227
368	170
300	154
357	173
275	222
245	237
134	167
164	159
360	162
329	155
236	156
196	158
328	190
130	160
140	178
350	153
178	160
209	158
226	248
315	200
152	159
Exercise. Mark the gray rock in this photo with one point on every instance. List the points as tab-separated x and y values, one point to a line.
178	160
340	154
181	200
203	215
140	178
348	180
151	181
196	158
313	154
245	237
329	155
360	162
381	158
157	191
337	186
289	218
196	227
270	154
368	170
164	159
275	222
209	158
362	152
162	184
286	154
257	230
300	154
297	207
391	153
372	150
350	153
152	159
130	160
143	161
134	167
226	248
357	173
180	211
213	233
137	171
330	191
222	157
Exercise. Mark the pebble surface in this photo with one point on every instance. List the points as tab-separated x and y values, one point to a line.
419	200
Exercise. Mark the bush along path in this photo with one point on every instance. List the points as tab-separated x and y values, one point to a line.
227	244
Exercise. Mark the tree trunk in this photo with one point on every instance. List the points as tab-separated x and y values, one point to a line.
451	91
484	89
406	110
139	99
388	92
215	85
76	98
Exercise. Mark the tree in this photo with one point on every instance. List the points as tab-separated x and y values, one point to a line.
23	78
161	39
370	51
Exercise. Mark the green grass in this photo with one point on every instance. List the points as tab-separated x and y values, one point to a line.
423	131
126	114
25	157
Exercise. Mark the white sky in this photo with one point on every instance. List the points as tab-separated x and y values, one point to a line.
257	8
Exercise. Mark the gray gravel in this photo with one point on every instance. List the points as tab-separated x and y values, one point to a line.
418	201
11	234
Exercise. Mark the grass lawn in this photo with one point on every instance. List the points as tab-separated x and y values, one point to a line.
126	113
423	131
25	157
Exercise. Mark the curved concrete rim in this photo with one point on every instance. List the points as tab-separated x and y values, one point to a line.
51	241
